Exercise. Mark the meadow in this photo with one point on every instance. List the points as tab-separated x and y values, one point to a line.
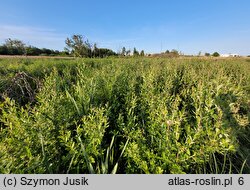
125	115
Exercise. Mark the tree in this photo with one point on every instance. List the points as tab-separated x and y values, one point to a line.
102	52
123	53
77	46
128	52
216	54
46	51
95	52
4	50
135	52
15	47
142	53
207	54
30	50
175	52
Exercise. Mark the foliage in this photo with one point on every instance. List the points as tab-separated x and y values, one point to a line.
123	52
102	52
174	52
78	46
142	53
135	52
216	54
17	47
119	115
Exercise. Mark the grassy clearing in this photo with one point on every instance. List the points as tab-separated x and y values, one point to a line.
131	115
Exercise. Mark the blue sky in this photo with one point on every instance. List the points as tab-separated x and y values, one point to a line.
188	26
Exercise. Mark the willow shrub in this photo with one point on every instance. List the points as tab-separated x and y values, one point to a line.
131	116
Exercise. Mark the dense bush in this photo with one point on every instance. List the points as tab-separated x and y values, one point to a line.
127	116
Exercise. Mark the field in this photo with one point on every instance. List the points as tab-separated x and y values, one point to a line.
125	115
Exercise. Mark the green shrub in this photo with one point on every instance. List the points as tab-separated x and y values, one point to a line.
138	115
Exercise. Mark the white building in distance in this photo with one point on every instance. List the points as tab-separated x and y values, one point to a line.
230	55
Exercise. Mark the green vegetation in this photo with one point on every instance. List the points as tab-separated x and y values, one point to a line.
18	47
125	115
216	54
75	46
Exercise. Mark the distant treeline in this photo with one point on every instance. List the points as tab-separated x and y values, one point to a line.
76	46
30	50
18	47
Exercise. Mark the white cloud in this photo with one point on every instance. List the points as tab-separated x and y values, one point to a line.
40	37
